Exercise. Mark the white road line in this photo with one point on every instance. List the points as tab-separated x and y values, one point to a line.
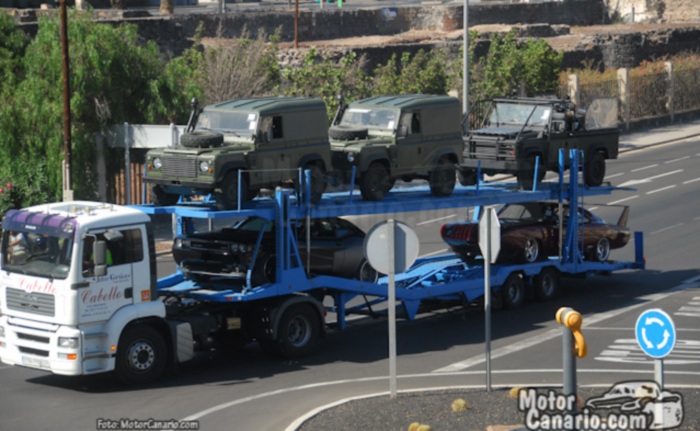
676	160
667	228
661	189
607	177
598	328
664	174
645	167
622	200
691	181
592	208
696	219
553	333
444	250
436	219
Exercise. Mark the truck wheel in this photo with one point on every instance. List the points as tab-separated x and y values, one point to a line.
347	133
228	199
467	177
512	292
140	355
298	331
594	170
160	197
318	182
443	178
375	183
201	139
601	253
546	284
531	250
526	173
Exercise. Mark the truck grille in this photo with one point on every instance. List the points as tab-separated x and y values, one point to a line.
179	167
31	302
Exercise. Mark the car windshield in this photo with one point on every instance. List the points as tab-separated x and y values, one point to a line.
254	224
228	122
518	115
38	254
371	118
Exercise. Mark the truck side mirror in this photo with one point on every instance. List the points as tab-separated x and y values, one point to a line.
99	251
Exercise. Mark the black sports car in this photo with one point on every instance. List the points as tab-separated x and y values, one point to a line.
335	249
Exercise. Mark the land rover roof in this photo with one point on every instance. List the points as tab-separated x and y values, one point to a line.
268	105
407	101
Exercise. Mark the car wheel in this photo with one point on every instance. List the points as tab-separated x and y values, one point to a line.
602	250
367	273
318	182
229	191
160	197
594	170
443	178
526	173
547	284
531	250
512	292
374	183
140	355
265	269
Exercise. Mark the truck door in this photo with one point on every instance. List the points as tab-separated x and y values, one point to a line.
270	153
127	267
409	151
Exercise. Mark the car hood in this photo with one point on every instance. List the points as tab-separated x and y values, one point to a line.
506	132
359	143
228	148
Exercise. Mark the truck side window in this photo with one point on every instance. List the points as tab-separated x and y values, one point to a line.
122	247
277	128
411	122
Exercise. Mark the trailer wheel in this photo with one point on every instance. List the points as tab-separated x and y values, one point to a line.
140	355
512	292
547	284
298	331
375	183
229	191
443	178
602	250
594	170
531	250
160	197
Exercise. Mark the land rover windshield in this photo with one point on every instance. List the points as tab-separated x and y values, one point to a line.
40	247
240	123
507	114
370	118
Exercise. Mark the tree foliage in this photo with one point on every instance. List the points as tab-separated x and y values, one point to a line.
423	72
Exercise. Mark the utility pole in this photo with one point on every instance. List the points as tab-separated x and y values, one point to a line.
465	48
67	144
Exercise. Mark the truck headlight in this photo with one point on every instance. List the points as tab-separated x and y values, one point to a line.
204	166
68	342
157	163
351	157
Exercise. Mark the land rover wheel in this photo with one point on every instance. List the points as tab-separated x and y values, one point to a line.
526	173
298	331
512	292
467	177
443	178
594	170
347	133
228	199
547	284
140	355
318	182
601	253
375	183
201	139
160	197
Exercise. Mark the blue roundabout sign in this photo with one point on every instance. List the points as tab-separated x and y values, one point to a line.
655	333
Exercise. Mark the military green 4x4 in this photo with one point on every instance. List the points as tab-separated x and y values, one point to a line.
386	138
243	146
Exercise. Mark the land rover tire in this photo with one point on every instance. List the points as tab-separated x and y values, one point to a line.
443	178
141	355
228	199
201	139
318	182
467	176
347	133
160	197
375	182
526	172
594	170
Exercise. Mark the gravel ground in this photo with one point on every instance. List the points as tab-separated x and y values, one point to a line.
495	409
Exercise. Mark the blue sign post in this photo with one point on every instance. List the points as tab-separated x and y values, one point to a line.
656	335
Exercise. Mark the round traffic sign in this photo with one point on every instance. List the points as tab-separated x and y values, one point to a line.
405	246
655	333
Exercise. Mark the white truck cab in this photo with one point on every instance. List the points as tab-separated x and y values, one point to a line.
73	276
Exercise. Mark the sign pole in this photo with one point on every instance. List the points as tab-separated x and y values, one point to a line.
659	372
487	302
392	309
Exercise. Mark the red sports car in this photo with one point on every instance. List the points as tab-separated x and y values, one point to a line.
530	232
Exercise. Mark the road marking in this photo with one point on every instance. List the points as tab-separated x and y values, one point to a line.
444	250
661	189
622	200
645	167
676	160
553	333
667	228
596	328
436	219
627	350
607	177
664	175
691	181
592	208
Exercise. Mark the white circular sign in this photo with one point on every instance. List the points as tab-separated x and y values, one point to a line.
376	246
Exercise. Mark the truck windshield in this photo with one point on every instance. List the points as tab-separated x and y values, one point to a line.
32	253
517	115
371	118
241	123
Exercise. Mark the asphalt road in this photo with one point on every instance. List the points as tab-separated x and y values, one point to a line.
251	391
